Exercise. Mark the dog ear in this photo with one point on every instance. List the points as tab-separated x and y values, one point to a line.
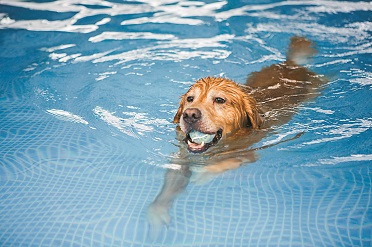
178	115
251	109
255	119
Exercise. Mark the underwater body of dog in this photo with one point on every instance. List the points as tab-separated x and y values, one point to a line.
220	120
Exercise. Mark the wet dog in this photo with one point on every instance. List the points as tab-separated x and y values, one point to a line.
221	119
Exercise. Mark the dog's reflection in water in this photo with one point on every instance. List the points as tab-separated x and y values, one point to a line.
219	120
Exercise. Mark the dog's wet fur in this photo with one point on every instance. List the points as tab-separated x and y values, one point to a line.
239	115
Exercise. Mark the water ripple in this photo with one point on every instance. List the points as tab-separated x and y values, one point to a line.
129	35
351	158
69	25
134	124
67	116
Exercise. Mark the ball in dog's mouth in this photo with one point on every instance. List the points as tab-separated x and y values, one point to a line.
198	142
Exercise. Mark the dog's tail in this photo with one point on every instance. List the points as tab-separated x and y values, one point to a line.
300	50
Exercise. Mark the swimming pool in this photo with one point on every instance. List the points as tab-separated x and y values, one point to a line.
88	90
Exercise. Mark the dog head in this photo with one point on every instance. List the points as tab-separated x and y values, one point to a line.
213	108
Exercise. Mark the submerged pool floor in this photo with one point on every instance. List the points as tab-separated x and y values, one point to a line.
88	91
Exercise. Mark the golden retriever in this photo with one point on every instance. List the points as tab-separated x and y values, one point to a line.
230	117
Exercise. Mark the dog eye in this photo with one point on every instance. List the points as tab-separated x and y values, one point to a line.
190	98
219	100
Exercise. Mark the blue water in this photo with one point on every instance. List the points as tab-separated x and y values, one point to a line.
88	91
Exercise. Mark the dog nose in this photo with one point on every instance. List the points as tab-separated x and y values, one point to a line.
191	115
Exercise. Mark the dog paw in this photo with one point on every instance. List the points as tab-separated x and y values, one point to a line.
158	217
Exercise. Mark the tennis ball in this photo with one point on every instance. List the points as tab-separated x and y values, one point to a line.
199	137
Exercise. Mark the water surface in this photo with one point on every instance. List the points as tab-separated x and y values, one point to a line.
88	91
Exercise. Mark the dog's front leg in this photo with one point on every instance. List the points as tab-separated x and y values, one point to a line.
221	164
175	182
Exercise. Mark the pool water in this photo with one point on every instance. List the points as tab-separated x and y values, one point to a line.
88	91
